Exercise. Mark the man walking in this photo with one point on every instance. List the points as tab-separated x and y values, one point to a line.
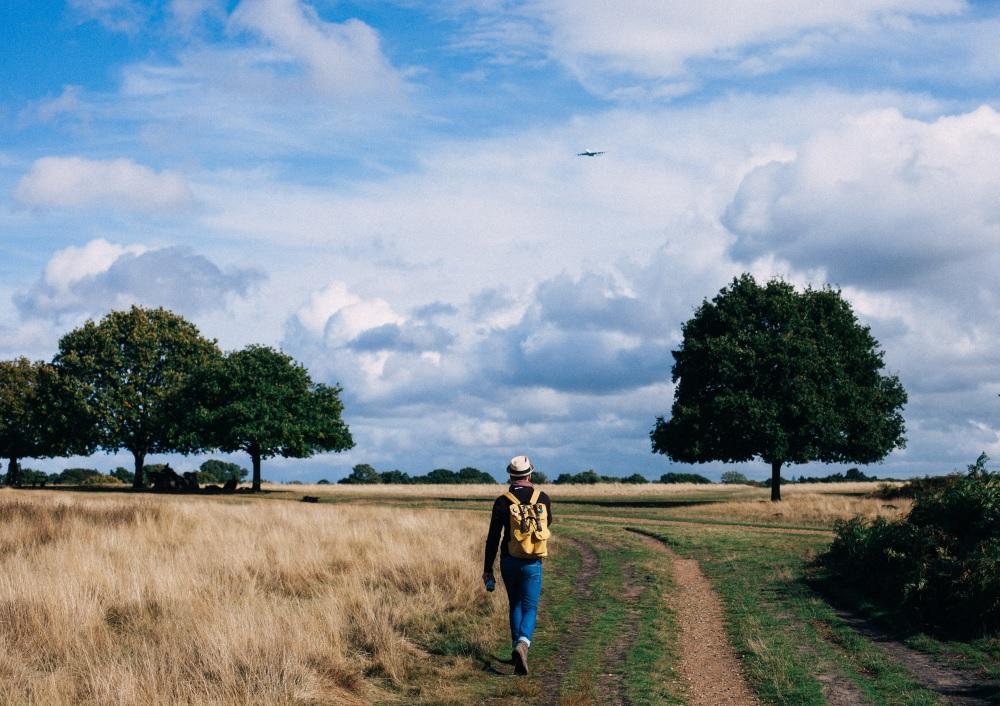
521	518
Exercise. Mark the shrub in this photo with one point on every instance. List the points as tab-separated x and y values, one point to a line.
215	471
77	476
102	480
734	478
683	478
636	478
940	565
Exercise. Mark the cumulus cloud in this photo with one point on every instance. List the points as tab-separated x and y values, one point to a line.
408	337
882	200
101	276
75	182
343	57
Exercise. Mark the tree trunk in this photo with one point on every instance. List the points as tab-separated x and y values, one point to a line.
255	455
13	472
140	461
775	481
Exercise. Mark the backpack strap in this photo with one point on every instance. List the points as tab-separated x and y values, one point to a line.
535	496
510	496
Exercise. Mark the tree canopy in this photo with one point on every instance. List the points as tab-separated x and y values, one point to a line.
785	376
133	369
261	401
37	414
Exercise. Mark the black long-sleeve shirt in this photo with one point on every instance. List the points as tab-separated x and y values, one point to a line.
500	521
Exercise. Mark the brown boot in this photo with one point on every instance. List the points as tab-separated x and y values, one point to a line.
520	656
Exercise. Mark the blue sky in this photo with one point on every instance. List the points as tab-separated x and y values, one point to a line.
390	192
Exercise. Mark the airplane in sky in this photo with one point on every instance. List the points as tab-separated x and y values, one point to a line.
588	153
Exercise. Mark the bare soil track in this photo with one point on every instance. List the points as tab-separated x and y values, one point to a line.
709	666
611	688
953	686
589	565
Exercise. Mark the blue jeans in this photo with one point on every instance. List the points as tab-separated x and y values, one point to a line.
523	580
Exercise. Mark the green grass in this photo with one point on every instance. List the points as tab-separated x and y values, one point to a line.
573	637
785	634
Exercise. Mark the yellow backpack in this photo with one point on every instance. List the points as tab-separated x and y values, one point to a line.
529	527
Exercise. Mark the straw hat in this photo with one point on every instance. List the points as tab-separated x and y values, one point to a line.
520	467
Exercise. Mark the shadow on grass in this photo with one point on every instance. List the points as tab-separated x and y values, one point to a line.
895	631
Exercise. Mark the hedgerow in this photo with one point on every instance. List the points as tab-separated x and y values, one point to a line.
940	565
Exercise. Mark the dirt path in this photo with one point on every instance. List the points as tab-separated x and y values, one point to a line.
709	667
954	686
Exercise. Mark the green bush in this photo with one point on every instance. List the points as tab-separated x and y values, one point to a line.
102	480
683	478
940	565
215	471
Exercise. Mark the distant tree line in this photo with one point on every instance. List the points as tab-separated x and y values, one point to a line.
365	474
147	382
211	471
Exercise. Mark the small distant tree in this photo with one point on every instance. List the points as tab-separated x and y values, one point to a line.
77	476
261	401
734	478
474	475
216	471
322	481
538	477
396	477
635	478
788	377
362	474
439	476
124	475
132	370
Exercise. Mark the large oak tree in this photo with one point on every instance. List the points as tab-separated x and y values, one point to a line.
261	401
133	369
785	376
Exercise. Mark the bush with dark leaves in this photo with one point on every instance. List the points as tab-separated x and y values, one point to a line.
939	566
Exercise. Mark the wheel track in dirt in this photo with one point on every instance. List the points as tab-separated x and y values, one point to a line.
953	686
583	590
611	687
709	667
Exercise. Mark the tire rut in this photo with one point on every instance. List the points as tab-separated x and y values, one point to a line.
611	684
709	667
583	590
954	686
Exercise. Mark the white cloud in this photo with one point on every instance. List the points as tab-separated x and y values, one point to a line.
76	182
128	16
610	46
882	199
338	316
101	276
341	58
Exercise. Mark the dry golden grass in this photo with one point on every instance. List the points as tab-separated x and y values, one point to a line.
152	600
491	490
798	508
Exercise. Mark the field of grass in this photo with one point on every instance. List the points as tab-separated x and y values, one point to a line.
373	596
